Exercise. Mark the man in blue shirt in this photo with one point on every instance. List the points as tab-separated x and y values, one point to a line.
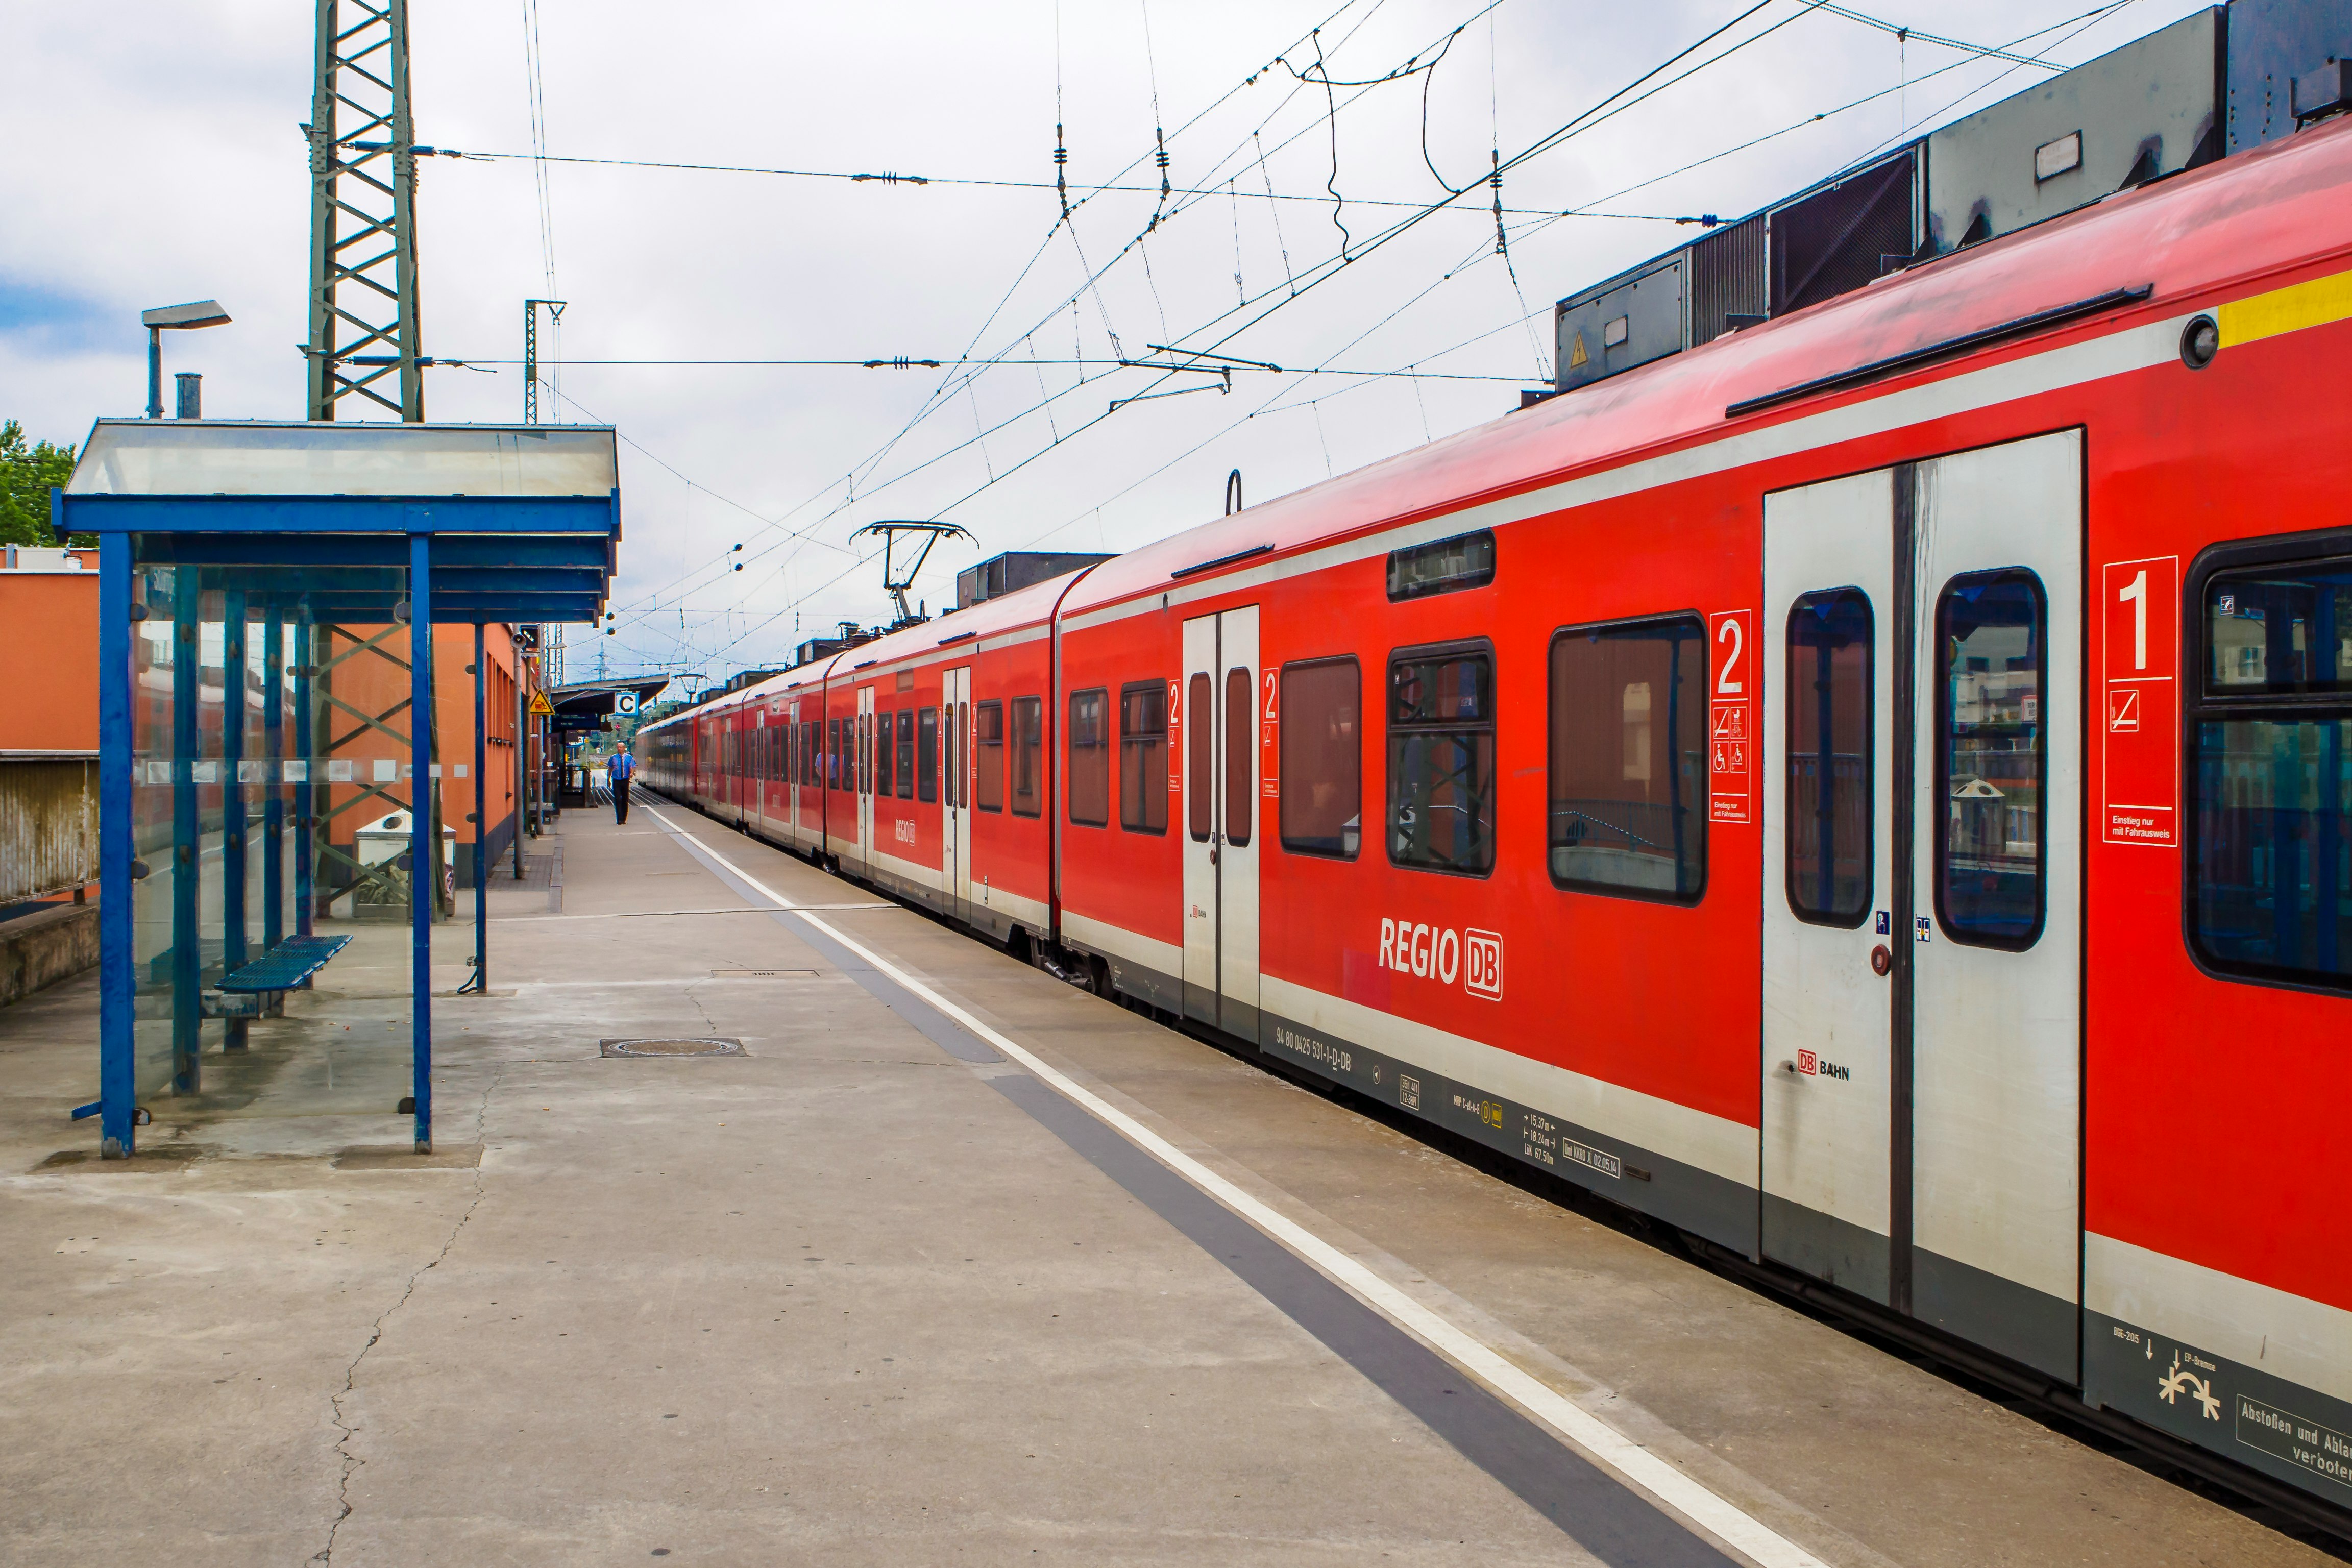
622	766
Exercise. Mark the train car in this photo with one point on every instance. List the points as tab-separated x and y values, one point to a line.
916	761
1869	792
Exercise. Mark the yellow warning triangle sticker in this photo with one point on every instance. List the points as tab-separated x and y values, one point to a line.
1576	358
538	705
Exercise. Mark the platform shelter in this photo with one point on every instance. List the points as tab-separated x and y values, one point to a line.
272	856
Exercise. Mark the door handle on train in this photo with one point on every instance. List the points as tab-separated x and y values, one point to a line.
1882	960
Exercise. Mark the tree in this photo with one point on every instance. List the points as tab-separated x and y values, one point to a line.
27	472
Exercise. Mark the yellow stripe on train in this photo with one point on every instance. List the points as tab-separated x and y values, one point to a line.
2291	309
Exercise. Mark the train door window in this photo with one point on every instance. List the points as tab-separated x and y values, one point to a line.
906	753
2271	774
1322	757
833	754
883	781
988	741
1241	752
1090	757
1828	849
1199	754
1143	757
1028	756
1441	759
1625	805
1991	663
927	754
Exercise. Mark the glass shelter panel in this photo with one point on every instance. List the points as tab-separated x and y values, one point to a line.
272	793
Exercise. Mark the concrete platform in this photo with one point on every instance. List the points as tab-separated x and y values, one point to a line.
897	1287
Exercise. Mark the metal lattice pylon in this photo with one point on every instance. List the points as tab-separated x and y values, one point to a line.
364	314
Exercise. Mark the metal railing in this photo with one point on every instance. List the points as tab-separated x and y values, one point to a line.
49	823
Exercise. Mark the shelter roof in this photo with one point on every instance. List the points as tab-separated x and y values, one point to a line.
328	457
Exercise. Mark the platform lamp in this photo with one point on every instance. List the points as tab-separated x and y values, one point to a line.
174	318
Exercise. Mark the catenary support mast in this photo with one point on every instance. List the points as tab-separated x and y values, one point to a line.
363	308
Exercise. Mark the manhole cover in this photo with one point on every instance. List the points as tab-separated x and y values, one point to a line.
680	1047
763	974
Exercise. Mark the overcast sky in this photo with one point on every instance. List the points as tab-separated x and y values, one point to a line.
154	157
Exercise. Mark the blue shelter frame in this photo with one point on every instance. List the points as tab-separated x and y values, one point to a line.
463	524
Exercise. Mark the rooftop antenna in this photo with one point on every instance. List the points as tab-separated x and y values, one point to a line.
894	581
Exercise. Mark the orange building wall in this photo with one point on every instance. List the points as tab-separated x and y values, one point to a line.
50	619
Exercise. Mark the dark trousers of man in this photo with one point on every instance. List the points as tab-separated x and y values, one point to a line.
620	801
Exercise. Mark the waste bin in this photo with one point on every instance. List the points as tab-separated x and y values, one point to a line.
388	838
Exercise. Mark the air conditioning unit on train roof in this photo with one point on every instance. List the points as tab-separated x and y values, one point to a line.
2218	81
1001	575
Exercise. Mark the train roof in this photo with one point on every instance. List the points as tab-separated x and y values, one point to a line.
1018	611
2190	233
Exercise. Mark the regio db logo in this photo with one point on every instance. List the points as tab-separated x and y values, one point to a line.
1444	954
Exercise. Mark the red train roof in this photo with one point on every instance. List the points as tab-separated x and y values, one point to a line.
2274	207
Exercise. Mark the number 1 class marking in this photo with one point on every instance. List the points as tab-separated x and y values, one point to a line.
2136	596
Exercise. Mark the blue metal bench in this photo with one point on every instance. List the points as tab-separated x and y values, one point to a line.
257	989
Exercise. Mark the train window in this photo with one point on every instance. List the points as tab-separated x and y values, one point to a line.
1626	802
833	754
988	740
1992	665
1322	758
1028	756
906	753
1441	759
1090	757
1829	847
927	754
884	777
1466	561
2271	774
1199	747
1241	753
1143	757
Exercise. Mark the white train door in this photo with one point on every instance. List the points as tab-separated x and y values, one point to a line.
861	762
1830	1069
1996	1106
955	789
1216	718
1922	1058
795	769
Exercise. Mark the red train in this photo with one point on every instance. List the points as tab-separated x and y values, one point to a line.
1870	791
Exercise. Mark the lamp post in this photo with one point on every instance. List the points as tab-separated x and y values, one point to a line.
175	318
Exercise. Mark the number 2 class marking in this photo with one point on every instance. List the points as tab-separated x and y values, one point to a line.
1725	685
2136	595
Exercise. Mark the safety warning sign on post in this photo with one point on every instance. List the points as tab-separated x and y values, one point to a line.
2139	699
540	706
1730	712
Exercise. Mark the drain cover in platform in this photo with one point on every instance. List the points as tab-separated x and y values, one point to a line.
677	1047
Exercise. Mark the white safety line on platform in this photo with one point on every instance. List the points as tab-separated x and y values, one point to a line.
668	914
1579	1427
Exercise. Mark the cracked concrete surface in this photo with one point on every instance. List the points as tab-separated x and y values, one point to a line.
812	1306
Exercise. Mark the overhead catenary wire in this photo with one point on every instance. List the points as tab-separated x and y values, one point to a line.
1089	282
1495	163
1602	109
